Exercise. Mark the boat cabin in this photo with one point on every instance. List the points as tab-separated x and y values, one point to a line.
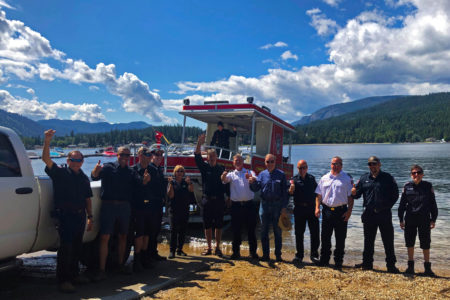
259	132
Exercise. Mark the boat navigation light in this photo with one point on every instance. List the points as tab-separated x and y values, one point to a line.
250	100
266	108
186	101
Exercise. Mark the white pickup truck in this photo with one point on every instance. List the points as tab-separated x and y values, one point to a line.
26	201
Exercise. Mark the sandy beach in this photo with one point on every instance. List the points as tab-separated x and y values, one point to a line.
245	279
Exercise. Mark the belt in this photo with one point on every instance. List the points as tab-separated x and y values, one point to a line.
114	201
336	207
241	202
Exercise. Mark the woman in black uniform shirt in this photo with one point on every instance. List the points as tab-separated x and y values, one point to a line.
419	202
180	193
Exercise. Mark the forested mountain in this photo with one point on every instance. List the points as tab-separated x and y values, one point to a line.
21	125
65	127
120	137
343	108
406	119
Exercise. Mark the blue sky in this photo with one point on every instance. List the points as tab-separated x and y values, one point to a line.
122	61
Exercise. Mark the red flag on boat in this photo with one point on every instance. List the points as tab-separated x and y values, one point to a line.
158	136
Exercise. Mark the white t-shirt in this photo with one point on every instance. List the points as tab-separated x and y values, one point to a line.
239	187
335	190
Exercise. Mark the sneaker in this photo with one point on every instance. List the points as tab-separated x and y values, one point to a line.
297	260
254	256
81	279
393	270
265	258
364	266
158	257
171	255
207	251
218	252
67	287
99	276
235	256
125	270
181	253
322	263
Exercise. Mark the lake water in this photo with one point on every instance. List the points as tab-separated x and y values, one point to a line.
397	160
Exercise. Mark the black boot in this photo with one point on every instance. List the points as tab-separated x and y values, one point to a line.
137	263
410	269
428	271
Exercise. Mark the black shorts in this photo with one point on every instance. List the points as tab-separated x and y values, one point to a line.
414	224
112	213
213	211
142	222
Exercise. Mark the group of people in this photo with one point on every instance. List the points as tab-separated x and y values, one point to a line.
137	193
131	196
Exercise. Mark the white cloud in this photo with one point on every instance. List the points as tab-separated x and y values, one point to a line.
368	57
37	110
5	4
288	55
110	110
25	54
321	23
278	44
94	88
31	91
333	3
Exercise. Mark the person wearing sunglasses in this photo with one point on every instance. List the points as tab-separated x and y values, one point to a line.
380	192
274	194
141	212
334	192
118	183
72	197
180	192
306	209
418	212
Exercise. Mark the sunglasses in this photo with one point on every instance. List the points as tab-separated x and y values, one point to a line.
180	171
270	161
124	154
302	168
336	164
417	173
78	160
372	164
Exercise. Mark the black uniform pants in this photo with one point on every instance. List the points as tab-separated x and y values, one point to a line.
178	226
154	229
414	223
301	216
332	220
70	228
244	214
372	222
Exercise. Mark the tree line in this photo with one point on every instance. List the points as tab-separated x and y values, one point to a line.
119	137
407	119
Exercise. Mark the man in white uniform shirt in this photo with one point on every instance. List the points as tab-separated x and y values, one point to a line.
243	208
334	192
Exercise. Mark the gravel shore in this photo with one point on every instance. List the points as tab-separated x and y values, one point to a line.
244	279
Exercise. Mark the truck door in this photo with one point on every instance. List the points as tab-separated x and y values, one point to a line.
19	199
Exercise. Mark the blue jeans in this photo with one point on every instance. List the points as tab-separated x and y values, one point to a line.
269	213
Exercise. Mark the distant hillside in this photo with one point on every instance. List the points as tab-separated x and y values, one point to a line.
343	108
21	125
65	127
406	119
